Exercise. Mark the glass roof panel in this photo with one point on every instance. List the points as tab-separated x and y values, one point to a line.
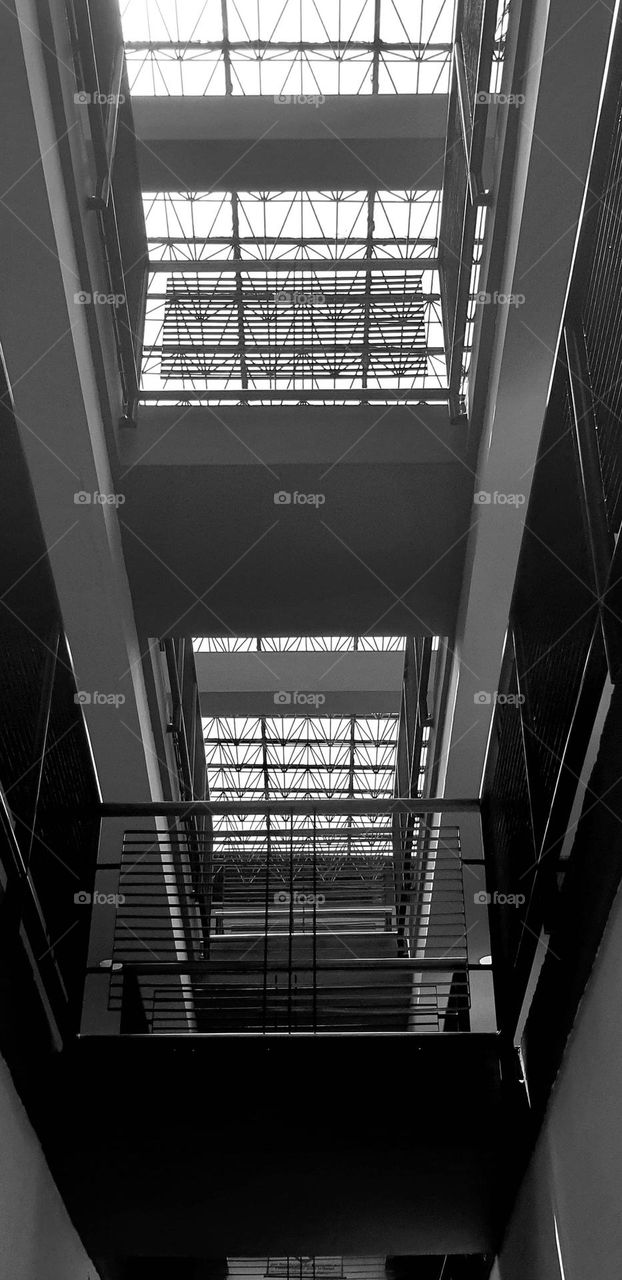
300	757
288	48
302	644
328	291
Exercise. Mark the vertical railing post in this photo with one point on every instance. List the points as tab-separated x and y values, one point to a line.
314	920
290	954
266	926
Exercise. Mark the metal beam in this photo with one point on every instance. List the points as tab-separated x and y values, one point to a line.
216	266
381	395
179	809
296	46
249	142
321	350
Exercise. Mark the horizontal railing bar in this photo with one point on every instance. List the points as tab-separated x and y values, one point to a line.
244	995
180	1037
442	902
190	967
384	1012
131	955
302	927
181	809
375	831
436	935
329	1008
154	890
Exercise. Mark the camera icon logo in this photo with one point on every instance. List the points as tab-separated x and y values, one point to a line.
282	698
482	498
82	498
281	98
82	99
82	298
82	698
282	899
482	698
282	498
482	899
82	898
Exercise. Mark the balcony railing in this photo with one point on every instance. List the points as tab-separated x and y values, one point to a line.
286	918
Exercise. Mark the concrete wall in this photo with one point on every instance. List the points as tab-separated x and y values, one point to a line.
209	552
248	143
37	1238
576	1172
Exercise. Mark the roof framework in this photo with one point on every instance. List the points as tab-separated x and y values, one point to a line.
295	292
288	49
308	757
299	644
326	297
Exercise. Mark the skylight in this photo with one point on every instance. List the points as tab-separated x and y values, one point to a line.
298	644
288	48
300	757
311	296
319	757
